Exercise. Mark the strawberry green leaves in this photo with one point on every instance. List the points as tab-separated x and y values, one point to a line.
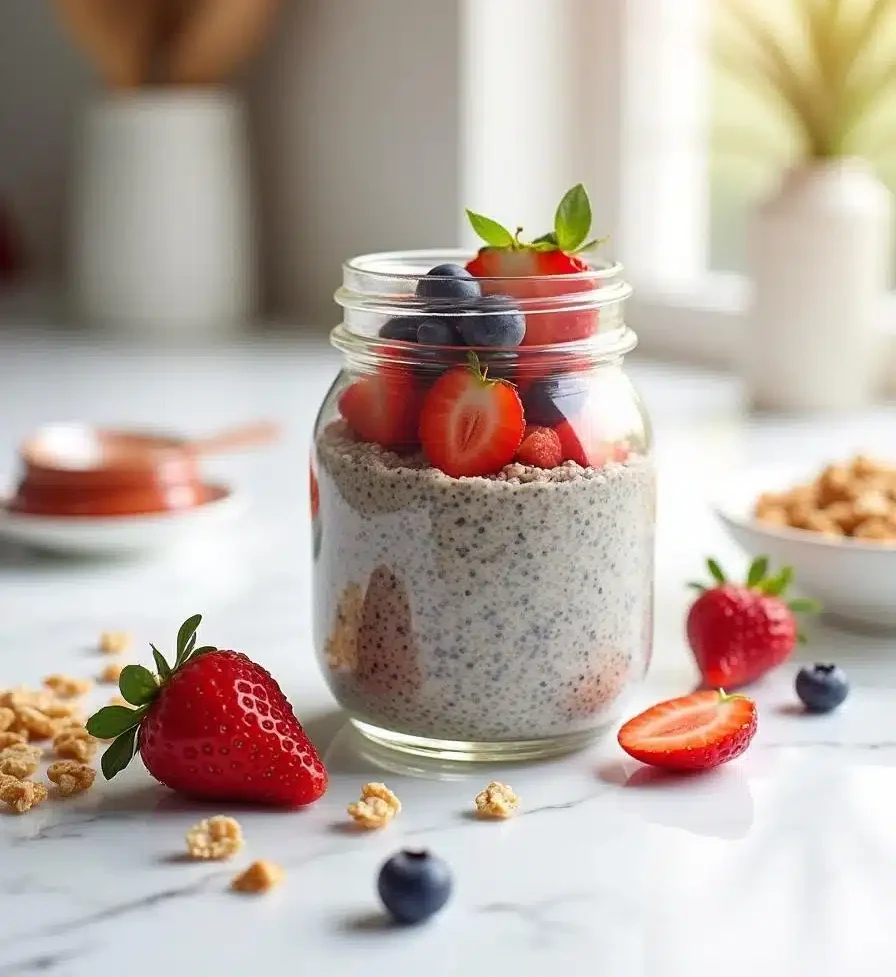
494	234
139	687
572	225
572	222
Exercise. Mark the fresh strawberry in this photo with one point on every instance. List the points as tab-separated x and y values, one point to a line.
214	726
383	408
541	269
695	732
738	632
578	443
540	447
471	424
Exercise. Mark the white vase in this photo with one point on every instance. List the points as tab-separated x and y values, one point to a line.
820	259
162	236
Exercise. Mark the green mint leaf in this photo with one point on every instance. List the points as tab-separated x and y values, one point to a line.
137	684
803	605
162	667
119	754
572	222
111	721
187	631
490	231
716	571
758	570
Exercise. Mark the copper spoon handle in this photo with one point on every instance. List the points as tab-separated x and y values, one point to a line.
244	436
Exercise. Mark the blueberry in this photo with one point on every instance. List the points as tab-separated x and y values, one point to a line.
414	885
448	282
497	322
437	332
401	327
822	687
555	399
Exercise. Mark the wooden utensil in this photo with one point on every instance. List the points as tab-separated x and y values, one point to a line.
215	38
118	36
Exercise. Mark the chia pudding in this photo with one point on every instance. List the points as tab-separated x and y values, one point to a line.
501	608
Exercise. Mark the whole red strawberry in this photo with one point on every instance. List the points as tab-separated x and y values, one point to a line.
738	632
214	726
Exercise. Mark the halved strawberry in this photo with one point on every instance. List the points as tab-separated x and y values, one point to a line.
383	408
579	443
541	269
471	424
694	732
540	447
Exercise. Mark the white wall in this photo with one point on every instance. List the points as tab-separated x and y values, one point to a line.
42	81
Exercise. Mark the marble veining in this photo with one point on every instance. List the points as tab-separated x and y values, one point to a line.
783	863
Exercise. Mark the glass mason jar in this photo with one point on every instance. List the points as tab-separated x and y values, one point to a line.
483	617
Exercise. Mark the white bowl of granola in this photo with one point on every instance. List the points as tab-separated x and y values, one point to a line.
836	529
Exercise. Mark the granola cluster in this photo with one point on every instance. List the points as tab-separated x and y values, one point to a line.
216	838
71	777
114	642
258	877
856	499
496	801
342	644
376	808
29	716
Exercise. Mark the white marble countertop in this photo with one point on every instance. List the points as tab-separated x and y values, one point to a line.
782	863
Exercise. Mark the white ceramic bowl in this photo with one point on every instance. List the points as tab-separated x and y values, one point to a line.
854	580
119	535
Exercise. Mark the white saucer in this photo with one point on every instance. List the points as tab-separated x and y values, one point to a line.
112	535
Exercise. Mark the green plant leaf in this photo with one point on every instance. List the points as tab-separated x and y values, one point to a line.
696	586
546	242
804	605
572	222
119	754
716	571
187	631
758	570
162	667
137	684
111	721
490	231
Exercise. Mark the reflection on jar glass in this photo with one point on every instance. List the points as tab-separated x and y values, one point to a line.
496	615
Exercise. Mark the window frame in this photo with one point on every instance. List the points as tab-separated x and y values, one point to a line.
649	179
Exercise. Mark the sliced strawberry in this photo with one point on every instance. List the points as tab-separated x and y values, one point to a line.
578	443
383	408
540	447
541	269
694	732
471	424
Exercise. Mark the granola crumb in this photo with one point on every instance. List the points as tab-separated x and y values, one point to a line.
216	838
114	642
20	760
71	777
7	718
496	801
11	739
258	877
67	687
73	742
21	795
111	673
37	724
376	808
60	709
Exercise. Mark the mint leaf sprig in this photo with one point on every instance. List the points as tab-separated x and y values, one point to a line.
140	687
572	225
